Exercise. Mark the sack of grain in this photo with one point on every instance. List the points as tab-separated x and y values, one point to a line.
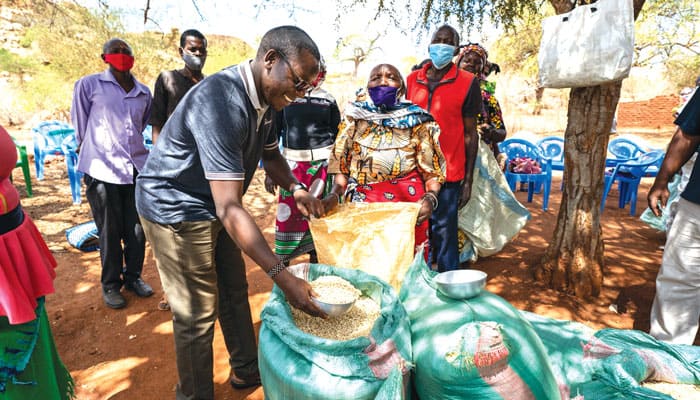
611	364
297	365
378	238
480	348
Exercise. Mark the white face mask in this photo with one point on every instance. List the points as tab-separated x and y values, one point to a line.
192	62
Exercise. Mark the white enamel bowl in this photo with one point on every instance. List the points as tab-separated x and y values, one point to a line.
461	284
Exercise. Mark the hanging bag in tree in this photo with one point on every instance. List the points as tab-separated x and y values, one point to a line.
588	46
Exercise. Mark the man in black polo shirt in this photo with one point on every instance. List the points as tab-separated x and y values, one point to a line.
190	194
676	308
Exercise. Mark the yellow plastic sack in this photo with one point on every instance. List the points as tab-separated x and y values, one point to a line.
377	238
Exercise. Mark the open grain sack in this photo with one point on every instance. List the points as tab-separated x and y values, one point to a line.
615	364
296	364
378	238
478	348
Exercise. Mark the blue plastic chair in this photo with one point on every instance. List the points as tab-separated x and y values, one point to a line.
514	148
69	147
622	149
48	137
553	147
628	174
23	162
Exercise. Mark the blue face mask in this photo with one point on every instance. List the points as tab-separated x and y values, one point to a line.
441	54
383	95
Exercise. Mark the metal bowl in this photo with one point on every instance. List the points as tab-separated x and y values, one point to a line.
333	310
461	284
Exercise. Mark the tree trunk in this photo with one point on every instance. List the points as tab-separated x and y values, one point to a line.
573	261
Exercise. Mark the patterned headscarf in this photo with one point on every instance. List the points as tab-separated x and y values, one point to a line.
473	48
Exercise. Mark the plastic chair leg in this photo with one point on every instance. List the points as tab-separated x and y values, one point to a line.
608	184
545	198
39	165
623	189
74	178
530	191
633	198
27	176
75	190
511	182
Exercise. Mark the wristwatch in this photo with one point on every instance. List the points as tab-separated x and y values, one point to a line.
299	186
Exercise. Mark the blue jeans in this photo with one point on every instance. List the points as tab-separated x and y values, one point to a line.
443	228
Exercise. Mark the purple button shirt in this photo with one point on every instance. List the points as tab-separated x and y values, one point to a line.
109	124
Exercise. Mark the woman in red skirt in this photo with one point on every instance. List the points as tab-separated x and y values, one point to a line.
29	364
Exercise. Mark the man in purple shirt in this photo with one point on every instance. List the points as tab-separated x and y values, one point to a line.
110	111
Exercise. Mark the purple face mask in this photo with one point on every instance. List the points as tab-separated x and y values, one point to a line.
383	95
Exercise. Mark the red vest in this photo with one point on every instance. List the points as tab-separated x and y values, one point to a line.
445	104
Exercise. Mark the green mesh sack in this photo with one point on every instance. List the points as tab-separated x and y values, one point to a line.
296	365
609	364
480	348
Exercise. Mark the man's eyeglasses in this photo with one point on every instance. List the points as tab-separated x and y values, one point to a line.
300	85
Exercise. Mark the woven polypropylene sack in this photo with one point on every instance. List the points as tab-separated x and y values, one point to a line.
378	238
480	348
588	46
296	365
83	237
609	364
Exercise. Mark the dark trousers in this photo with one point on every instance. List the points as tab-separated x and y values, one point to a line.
443	228
114	211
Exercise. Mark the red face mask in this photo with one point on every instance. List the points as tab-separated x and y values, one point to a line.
120	62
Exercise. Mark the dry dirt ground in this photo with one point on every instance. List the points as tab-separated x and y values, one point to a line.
128	353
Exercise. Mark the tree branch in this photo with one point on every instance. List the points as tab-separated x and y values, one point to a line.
145	11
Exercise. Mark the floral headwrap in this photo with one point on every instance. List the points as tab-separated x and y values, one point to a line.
473	48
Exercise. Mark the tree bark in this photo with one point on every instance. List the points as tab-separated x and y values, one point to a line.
574	261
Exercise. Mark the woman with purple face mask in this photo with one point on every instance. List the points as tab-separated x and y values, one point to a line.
387	150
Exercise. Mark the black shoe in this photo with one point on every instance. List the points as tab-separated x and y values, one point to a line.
113	299
141	288
242	382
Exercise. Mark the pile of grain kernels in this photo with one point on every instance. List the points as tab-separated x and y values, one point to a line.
676	390
334	290
357	322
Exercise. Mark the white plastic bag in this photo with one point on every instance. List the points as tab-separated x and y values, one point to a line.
588	46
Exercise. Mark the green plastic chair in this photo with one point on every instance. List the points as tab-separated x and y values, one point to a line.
23	162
